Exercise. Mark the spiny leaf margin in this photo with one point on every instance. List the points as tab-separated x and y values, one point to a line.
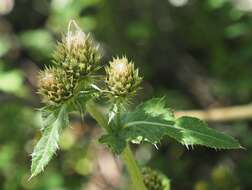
151	121
203	135
48	143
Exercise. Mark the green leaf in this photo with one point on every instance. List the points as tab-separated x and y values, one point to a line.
48	144
196	132
141	125
115	141
154	108
48	115
150	122
157	107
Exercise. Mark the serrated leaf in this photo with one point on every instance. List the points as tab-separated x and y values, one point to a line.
48	144
196	132
48	115
157	107
138	131
149	124
186	130
145	118
151	108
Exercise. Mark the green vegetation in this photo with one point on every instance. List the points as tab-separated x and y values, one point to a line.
196	54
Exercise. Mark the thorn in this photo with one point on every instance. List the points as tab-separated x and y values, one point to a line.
187	147
242	147
96	87
156	146
29	179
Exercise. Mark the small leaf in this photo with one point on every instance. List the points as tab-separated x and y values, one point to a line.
48	144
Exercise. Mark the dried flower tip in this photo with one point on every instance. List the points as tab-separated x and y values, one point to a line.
75	37
121	66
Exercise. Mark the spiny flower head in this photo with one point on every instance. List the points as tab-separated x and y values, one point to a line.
152	180
55	86
122	79
77	54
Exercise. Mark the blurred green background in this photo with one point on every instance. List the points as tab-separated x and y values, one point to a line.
197	53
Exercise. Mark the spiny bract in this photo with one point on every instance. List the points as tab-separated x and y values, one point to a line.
55	86
77	54
122	79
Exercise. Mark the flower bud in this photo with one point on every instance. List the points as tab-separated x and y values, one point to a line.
122	78
77	54
152	180
55	86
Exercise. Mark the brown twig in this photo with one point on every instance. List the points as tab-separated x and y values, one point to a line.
220	114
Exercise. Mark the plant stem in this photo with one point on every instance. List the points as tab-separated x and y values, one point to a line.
133	169
127	154
220	114
97	115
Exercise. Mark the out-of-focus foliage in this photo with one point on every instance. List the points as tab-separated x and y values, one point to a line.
197	53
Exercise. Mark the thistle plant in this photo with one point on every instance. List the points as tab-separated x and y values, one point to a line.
68	85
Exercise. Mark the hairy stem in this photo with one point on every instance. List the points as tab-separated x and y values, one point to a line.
135	173
127	154
97	115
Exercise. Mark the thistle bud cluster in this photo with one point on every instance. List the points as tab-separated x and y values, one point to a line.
75	58
77	54
152	180
122	79
54	86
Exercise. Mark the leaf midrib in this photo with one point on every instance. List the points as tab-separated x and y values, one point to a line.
50	139
165	125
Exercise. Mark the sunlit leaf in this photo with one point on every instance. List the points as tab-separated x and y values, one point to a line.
148	123
48	144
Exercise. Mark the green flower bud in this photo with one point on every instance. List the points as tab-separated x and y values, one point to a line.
77	54
55	86
152	180
122	78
